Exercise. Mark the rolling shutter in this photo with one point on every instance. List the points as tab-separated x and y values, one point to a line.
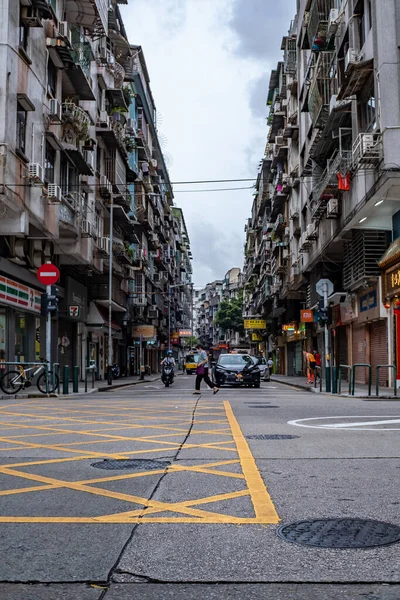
360	352
379	350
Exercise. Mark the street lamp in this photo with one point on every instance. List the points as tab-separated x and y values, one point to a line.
176	285
110	284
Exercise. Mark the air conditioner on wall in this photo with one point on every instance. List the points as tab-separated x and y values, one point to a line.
350	58
55	111
65	31
88	156
54	192
333	23
332	209
105	244
86	227
35	172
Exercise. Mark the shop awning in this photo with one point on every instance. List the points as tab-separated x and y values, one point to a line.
391	256
98	318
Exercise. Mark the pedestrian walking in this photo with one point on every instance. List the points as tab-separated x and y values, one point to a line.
311	367
202	371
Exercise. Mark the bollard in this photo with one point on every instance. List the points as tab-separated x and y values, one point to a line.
66	379
327	379
334	380
75	378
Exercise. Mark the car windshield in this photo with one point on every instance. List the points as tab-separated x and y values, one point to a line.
190	358
234	359
258	361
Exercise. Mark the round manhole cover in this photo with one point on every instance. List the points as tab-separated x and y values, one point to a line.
340	533
274	436
131	464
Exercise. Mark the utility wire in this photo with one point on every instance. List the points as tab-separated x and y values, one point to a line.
213	190
211	181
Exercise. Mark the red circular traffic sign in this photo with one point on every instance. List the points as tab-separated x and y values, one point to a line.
48	274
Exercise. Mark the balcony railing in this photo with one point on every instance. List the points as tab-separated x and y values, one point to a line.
340	161
323	86
318	19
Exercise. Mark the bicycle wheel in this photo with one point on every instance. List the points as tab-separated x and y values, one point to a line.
54	382
11	382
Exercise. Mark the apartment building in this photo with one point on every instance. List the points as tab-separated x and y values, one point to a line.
327	203
207	303
83	184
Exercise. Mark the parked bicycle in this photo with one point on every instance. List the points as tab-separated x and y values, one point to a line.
13	381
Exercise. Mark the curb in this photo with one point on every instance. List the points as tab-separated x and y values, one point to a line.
116	386
299	386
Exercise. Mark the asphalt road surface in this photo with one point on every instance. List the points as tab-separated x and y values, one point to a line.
199	521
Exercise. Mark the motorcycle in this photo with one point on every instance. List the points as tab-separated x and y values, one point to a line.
116	372
167	376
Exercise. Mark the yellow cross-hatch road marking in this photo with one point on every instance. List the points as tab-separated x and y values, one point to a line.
39	420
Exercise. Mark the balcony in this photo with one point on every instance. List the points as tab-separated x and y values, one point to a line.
323	86
318	18
90	14
328	182
367	150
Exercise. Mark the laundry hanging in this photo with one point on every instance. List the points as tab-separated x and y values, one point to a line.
344	182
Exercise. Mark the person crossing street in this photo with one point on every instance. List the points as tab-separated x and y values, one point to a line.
202	371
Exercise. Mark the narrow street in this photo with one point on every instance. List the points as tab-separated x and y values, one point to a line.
224	471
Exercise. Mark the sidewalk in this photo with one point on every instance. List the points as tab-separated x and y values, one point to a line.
99	386
361	390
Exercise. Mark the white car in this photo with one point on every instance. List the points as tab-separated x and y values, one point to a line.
263	366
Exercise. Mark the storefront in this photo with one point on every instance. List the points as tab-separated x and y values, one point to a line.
295	340
97	324
21	328
148	347
390	289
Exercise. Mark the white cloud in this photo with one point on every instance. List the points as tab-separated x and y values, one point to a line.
208	81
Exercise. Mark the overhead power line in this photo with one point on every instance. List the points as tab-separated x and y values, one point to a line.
211	181
212	190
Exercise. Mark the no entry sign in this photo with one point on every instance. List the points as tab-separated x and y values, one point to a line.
48	274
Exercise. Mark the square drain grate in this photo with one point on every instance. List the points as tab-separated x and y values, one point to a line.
131	464
271	436
340	533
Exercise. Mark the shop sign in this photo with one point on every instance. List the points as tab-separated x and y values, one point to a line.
19	295
148	332
255	324
393	281
368	301
306	316
185	333
256	337
222	347
289	327
76	295
73	311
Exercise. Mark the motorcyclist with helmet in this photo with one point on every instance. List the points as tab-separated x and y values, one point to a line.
167	363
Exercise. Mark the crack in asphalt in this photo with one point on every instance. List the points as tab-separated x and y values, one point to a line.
157	485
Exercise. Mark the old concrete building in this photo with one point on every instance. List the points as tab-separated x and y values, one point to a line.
83	184
328	196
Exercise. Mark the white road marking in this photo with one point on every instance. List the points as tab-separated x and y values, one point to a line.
350	426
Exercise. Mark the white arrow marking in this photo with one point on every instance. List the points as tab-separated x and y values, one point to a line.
339	425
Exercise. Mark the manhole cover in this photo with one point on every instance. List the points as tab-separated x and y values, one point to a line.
340	533
264	406
272	437
133	465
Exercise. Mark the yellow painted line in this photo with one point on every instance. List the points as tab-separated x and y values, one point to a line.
263	505
215	519
60	449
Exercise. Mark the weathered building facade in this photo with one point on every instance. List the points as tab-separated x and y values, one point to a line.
327	203
79	151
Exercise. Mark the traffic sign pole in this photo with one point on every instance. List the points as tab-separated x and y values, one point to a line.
327	353
48	274
48	340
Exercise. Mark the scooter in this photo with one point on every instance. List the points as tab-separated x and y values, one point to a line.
167	376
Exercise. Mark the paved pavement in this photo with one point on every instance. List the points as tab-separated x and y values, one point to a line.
361	390
200	521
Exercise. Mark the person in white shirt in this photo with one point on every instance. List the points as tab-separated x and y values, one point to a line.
202	371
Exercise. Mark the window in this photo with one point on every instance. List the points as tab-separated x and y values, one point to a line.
368	109
23	36
21	129
52	79
49	164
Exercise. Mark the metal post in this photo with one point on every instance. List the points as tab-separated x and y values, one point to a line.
169	317
66	379
48	340
75	378
110	282
141	358
327	354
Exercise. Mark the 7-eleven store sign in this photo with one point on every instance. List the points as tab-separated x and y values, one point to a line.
19	295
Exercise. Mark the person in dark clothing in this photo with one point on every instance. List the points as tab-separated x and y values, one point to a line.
202	371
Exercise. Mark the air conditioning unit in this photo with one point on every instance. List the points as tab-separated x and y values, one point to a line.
105	244
350	58
287	231
55	112
311	232
30	16
367	143
105	187
103	53
35	173
332	102
332	209
65	31
86	228
296	268
54	192
88	156
130	125
279	141
285	254
104	119
152	312
333	22
129	272
110	58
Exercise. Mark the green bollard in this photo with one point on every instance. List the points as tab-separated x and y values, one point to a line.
327	379
75	378
334	380
66	379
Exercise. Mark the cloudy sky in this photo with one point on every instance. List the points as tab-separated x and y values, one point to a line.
209	63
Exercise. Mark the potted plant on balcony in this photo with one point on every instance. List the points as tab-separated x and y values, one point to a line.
117	114
130	144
